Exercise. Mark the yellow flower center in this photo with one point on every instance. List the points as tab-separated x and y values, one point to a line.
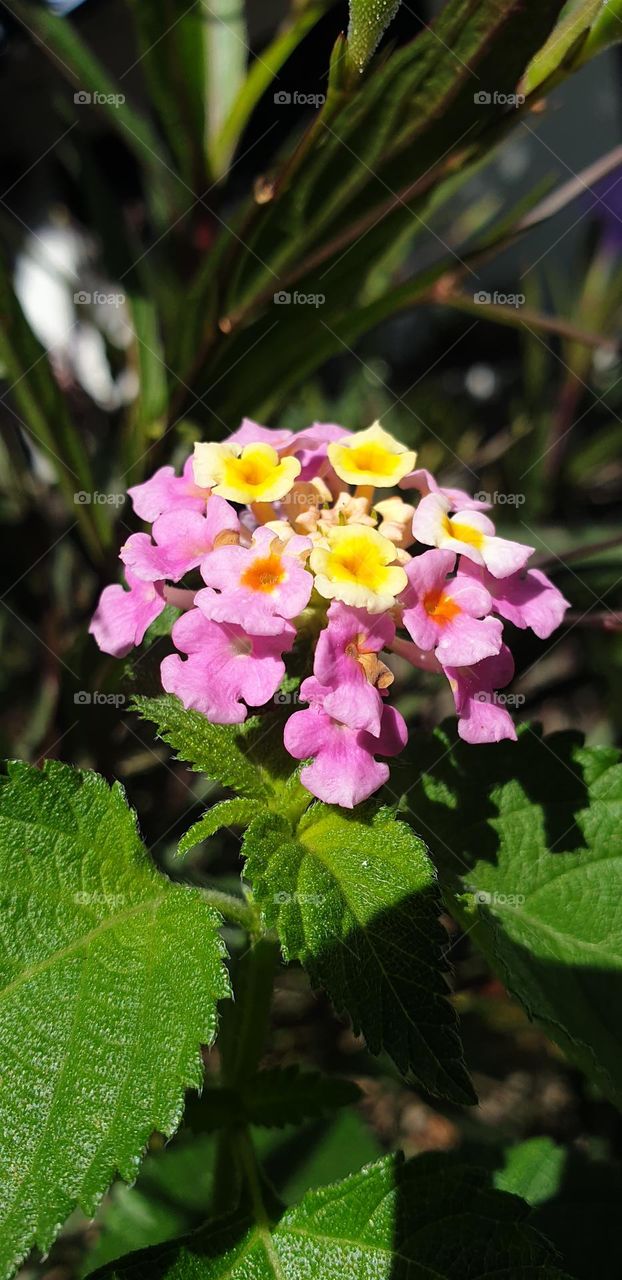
254	474
463	533
357	567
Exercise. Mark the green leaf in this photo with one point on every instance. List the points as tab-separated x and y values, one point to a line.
214	749
287	1095
58	38
174	1191
605	31
575	1201
355	899
369	20
391	1221
227	813
563	43
109	980
529	839
272	1098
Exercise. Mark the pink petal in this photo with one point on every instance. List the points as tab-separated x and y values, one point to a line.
481	718
122	617
467	640
225	667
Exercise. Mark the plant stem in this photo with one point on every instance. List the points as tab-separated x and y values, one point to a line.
238	910
244	1024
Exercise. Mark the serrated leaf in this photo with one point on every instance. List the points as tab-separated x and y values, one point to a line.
369	20
356	900
391	1221
273	1098
529	836
109	977
214	749
287	1095
227	813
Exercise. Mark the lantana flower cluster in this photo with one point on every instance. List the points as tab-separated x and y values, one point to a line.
295	536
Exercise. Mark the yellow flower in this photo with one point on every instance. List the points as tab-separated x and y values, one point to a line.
371	457
356	565
252	473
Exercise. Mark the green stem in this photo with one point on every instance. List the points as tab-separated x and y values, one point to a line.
244	1024
238	910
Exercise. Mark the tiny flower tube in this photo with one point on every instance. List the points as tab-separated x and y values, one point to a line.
181	541
257	586
449	615
225	668
344	769
245	473
470	533
165	491
347	665
371	458
527	599
396	521
357	566
480	717
122	617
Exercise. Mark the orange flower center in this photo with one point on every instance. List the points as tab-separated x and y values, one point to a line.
264	574
440	607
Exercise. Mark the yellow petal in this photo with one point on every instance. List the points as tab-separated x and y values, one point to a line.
356	566
371	457
254	473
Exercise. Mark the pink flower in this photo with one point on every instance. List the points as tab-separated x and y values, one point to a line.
257	586
182	539
344	770
457	498
225	667
310	447
122	617
481	718
527	599
165	491
449	616
470	533
250	432
346	663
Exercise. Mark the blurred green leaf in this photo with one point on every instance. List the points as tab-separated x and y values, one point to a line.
59	39
44	414
563	44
